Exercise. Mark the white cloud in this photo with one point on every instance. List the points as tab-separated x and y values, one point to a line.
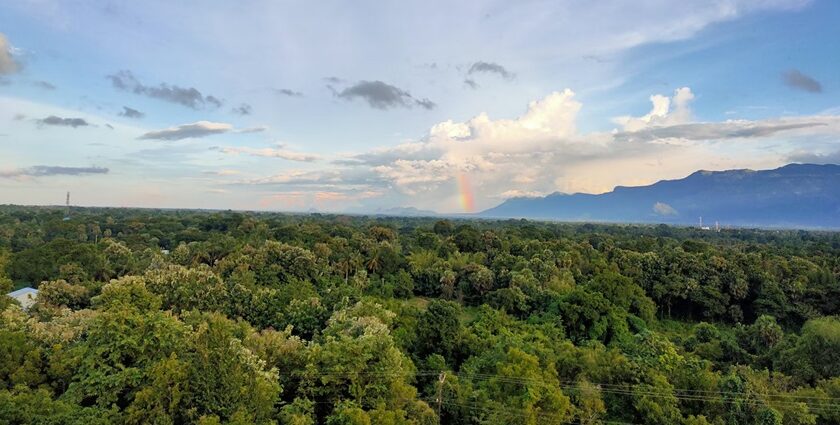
515	193
543	41
8	64
319	200
295	177
662	113
662	208
279	152
224	172
542	151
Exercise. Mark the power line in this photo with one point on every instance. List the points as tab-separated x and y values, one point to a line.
815	404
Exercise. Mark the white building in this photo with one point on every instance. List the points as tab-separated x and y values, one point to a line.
25	296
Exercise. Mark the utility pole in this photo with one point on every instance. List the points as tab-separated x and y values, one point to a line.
439	399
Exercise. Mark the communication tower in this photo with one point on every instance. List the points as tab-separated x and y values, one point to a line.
67	207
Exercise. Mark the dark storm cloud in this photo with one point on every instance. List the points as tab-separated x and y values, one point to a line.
51	170
380	95
189	97
288	92
62	122
131	113
492	68
243	109
799	81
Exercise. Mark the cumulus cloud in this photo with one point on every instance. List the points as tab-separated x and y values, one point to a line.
662	208
666	111
490	68
62	122
8	64
131	113
480	145
380	95
51	170
671	119
243	109
280	151
289	92
799	81
189	96
547	122
542	151
184	131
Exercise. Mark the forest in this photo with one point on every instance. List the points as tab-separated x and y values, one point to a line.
223	317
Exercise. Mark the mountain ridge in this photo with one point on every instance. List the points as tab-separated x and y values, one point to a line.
794	195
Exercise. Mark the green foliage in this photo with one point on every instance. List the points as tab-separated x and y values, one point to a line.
438	330
184	289
60	293
225	378
273	318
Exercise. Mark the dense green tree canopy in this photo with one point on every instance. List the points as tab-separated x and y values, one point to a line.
171	317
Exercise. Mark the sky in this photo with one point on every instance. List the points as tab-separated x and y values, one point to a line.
367	106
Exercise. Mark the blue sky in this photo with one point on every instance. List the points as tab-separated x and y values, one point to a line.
359	106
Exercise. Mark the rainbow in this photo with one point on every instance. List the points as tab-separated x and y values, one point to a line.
464	187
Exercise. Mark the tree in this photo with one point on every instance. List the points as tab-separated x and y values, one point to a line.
60	293
817	349
621	291
184	289
121	348
225	378
438	330
518	382
443	227
356	360
588	315
467	239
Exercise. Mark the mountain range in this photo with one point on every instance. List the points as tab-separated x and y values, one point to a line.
795	195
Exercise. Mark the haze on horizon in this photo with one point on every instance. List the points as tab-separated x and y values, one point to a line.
360	106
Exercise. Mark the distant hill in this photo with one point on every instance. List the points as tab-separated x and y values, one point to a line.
796	195
395	212
405	211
